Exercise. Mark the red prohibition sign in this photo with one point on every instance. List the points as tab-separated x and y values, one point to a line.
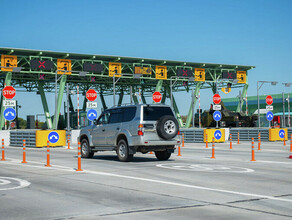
269	100
156	97
9	92
216	99
91	95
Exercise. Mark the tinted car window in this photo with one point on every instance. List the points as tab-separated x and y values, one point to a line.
103	119
116	116
154	113
129	113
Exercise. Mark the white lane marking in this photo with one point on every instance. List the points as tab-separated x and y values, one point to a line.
158	181
9	180
205	168
263	161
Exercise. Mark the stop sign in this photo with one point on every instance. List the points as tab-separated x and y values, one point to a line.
156	96
216	99
269	100
9	92
91	95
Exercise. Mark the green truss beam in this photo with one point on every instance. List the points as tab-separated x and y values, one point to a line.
59	100
240	103
103	101
45	105
190	114
121	96
176	111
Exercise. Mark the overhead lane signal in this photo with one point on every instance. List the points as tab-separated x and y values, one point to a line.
115	69
161	72
241	76
93	67
184	73
64	65
10	61
41	64
143	70
200	74
229	75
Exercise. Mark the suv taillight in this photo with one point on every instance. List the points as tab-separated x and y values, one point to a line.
140	131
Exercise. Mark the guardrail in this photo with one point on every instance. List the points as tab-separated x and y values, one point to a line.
246	134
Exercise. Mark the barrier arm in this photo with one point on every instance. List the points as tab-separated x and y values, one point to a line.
45	105
190	114
8	83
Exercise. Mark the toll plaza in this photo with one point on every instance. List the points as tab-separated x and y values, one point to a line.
225	164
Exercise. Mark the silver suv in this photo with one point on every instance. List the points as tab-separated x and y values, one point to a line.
130	129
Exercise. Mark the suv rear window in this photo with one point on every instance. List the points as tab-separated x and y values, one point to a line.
154	113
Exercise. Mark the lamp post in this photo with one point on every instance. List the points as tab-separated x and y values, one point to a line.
288	100
273	83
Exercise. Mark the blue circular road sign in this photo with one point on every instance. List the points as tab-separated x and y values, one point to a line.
270	116
281	133
9	114
53	137
217	116
92	114
217	134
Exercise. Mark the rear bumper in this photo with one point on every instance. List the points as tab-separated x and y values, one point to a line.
144	141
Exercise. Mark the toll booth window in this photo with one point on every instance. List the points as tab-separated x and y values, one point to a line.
129	113
116	116
154	113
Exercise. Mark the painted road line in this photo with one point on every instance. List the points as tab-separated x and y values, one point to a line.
6	181
162	182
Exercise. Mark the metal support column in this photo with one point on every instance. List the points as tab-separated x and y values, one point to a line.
84	104
164	96
121	96
59	100
45	105
240	103
134	97
103	101
143	99
190	114
8	83
176	111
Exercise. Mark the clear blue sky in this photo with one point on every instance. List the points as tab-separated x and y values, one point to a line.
250	32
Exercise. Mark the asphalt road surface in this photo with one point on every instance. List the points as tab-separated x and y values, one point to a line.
191	186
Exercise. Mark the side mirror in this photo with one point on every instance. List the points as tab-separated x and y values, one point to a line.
95	122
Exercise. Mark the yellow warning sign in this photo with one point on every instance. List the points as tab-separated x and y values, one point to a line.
8	61
161	72
143	70
115	69
241	76
64	65
200	74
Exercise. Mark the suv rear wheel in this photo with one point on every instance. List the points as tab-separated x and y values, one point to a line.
86	150
123	151
162	155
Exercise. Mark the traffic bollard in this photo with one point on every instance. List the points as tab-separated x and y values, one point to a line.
79	158
252	150
183	139
259	141
213	149
48	154
179	153
68	140
230	141
3	152
291	143
206	140
237	137
284	141
24	153
151	152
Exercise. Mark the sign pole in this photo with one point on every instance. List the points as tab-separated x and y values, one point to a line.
283	110
193	108
68	113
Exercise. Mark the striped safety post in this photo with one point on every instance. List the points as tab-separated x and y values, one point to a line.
79	158
48	155
206	140
252	150
237	137
24	153
68	140
3	152
259	141
183	139
213	148
230	141
284	141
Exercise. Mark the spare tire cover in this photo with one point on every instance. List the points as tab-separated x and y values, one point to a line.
167	127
